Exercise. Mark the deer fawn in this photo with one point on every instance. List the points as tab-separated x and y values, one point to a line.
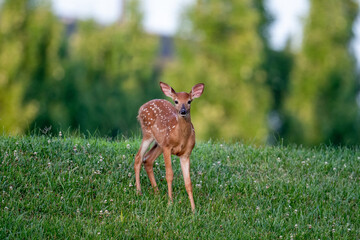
171	128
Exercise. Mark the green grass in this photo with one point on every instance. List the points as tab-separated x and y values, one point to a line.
72	187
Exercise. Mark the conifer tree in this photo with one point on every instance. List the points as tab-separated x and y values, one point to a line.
322	100
277	65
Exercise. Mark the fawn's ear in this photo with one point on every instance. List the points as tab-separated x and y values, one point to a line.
167	90
197	90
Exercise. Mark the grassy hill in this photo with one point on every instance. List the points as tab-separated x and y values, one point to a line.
73	187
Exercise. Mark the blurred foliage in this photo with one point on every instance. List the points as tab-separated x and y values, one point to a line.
223	49
96	77
16	18
322	99
277	64
111	74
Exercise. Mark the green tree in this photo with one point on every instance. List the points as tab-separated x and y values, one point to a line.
220	46
18	38
95	79
322	101
277	64
112	74
44	66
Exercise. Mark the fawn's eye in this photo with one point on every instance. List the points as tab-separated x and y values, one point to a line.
176	102
189	101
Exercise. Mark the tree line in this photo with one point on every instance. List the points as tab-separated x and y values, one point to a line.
96	78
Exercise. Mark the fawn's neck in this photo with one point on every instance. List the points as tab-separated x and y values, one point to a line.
184	123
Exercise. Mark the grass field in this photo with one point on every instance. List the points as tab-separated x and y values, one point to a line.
73	187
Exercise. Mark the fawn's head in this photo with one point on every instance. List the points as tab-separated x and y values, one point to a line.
182	100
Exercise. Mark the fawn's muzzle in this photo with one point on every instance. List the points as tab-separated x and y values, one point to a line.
183	110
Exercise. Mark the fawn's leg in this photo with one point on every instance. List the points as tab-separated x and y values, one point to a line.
149	160
145	143
185	167
169	171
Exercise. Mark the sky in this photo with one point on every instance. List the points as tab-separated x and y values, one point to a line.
163	16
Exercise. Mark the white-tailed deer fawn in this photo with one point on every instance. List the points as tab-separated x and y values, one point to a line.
171	129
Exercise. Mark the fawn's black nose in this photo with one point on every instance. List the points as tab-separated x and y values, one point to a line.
183	110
